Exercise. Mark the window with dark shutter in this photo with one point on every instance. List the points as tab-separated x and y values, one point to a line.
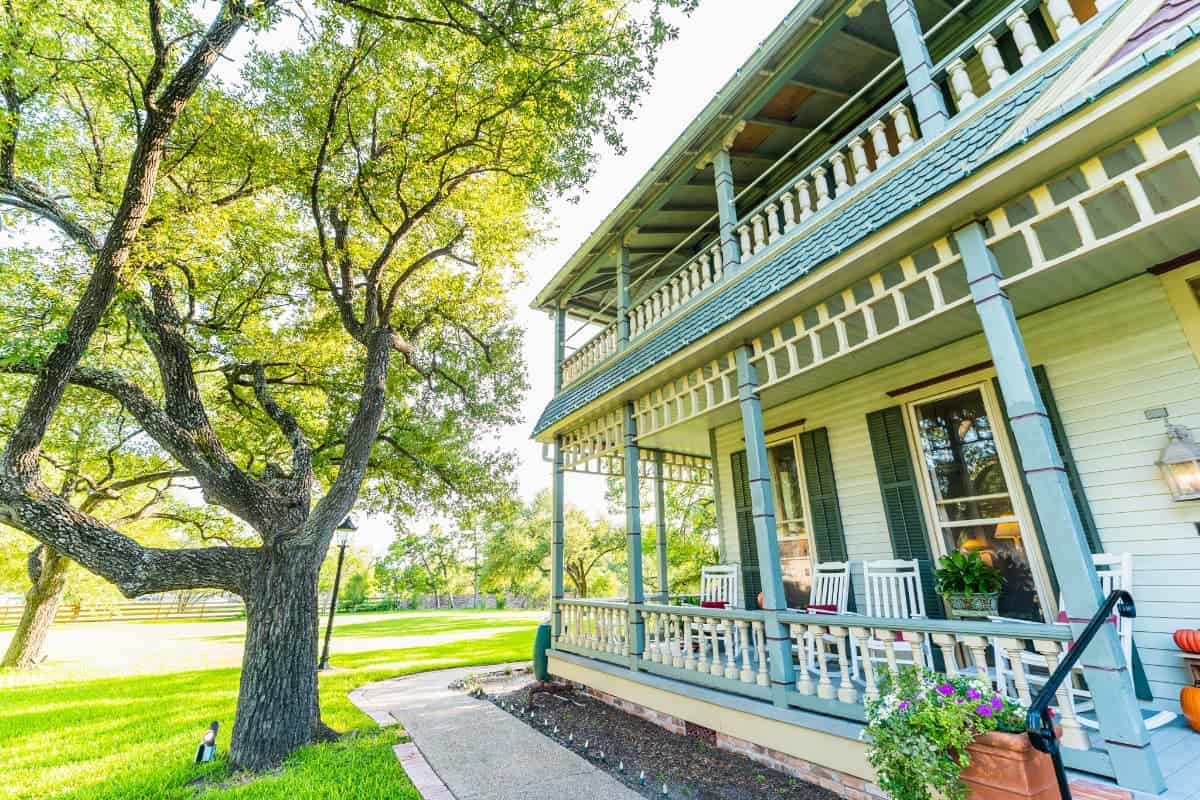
901	498
743	510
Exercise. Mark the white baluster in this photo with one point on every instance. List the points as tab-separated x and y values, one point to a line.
946	643
789	210
714	631
1063	17
702	663
718	262
760	649
698	269
978	647
804	683
1073	733
858	154
889	650
744	240
904	129
705	277
760	232
871	686
820	187
731	670
841	179
960	83
917	639
846	691
680	642
879	142
625	632
824	684
772	211
747	674
648	628
1023	37
993	64
804	200
1013	648
689	658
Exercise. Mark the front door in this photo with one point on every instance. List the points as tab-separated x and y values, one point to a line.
791	512
972	493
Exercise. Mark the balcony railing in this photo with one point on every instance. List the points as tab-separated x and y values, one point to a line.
846	169
838	659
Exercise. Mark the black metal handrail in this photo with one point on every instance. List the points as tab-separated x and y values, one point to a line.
1039	723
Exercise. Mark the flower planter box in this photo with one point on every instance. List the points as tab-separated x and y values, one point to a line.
1005	766
973	606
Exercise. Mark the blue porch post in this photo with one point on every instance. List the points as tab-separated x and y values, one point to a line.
731	252
633	539
779	642
622	297
1108	677
918	69
556	487
660	527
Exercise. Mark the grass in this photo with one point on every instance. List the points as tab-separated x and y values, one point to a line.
134	737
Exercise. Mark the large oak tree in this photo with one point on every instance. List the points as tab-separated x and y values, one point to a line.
290	271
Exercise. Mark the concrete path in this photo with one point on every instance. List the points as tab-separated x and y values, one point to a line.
479	751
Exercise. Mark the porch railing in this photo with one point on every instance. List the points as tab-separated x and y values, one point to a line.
845	169
838	659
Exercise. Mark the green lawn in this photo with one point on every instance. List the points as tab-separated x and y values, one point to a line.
134	737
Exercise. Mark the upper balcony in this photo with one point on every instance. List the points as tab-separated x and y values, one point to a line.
817	117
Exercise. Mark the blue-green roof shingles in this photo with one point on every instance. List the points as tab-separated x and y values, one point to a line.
916	183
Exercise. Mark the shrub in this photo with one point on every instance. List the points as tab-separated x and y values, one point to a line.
501	601
920	726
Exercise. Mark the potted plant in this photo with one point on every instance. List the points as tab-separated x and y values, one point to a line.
970	585
933	736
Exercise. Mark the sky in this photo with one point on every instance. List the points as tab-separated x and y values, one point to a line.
712	43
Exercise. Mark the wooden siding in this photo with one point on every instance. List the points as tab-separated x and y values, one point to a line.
1109	356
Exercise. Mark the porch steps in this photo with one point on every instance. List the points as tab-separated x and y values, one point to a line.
1090	790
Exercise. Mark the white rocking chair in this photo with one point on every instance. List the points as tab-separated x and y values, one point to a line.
894	591
830	595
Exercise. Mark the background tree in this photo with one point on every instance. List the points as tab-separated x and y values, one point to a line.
313	255
429	563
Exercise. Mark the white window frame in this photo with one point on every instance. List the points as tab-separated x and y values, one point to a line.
981	381
791	435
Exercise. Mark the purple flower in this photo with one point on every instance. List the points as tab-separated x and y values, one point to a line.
997	703
973	694
960	701
945	690
904	705
984	711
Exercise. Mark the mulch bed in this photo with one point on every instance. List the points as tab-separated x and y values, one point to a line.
646	757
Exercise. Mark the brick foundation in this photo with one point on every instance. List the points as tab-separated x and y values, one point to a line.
839	783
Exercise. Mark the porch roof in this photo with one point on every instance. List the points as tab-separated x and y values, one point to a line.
962	152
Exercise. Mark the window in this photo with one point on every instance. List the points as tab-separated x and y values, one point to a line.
791	512
969	491
1183	290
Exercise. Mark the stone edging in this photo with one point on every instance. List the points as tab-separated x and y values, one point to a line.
424	779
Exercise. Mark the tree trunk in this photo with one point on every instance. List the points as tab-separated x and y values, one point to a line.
41	604
278	709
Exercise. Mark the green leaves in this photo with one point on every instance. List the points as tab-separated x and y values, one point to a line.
966	573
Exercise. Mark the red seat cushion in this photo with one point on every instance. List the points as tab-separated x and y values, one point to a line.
714	604
822	609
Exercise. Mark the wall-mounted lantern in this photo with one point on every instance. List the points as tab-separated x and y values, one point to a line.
1180	463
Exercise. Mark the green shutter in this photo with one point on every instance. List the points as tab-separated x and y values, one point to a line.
829	537
743	511
1090	530
902	499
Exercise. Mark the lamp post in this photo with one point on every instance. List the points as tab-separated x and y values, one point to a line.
344	530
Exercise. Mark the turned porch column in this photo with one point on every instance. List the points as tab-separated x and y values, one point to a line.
918	68
1104	667
779	643
633	539
660	527
622	297
731	252
556	486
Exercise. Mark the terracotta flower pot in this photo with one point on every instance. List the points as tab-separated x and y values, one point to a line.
1005	766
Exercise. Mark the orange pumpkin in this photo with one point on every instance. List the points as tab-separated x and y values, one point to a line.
1189	698
1188	640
